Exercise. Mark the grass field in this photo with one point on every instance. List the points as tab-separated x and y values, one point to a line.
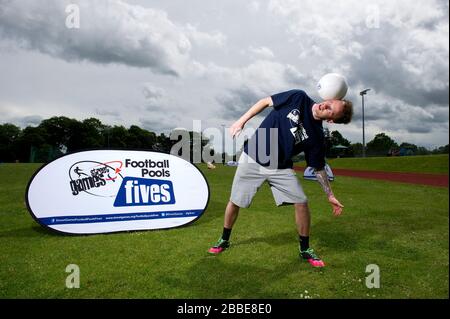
399	227
430	164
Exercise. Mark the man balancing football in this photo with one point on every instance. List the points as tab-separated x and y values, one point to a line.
293	126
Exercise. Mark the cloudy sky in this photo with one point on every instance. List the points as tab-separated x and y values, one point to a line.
162	64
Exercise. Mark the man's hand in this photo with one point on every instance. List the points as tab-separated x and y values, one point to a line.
337	207
236	128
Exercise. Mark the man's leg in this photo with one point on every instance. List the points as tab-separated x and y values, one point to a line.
231	214
303	222
247	179
302	219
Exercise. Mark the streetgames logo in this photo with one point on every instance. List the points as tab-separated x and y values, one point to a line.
94	178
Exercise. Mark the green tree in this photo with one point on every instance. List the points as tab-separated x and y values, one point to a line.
9	134
338	139
73	135
423	151
380	145
356	149
334	142
441	150
139	138
29	142
62	132
117	137
163	143
92	133
408	149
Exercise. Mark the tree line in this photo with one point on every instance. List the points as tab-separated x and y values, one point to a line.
380	145
56	136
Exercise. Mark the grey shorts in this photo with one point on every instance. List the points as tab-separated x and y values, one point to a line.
250	176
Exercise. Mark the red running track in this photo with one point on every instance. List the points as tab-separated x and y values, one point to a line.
412	178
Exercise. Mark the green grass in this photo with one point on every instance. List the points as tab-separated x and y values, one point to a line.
401	228
431	164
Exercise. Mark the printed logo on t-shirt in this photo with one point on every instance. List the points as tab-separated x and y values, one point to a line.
297	129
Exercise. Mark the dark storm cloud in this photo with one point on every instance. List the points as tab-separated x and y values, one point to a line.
156	125
383	69
374	112
110	32
440	115
258	80
151	92
245	56
296	78
236	102
403	57
418	128
398	115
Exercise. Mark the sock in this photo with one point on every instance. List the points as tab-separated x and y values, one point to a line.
226	233
304	242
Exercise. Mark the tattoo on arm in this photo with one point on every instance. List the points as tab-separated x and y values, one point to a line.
322	178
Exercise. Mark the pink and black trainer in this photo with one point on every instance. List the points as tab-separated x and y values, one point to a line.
312	258
219	247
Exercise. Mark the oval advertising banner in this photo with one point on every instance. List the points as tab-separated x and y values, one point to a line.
107	191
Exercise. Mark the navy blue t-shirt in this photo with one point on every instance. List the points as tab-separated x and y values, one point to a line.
298	132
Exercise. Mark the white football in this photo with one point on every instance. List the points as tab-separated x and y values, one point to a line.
332	86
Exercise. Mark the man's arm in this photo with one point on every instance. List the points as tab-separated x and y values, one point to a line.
322	178
257	108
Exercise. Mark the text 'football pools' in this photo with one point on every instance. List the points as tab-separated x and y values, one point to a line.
150	168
